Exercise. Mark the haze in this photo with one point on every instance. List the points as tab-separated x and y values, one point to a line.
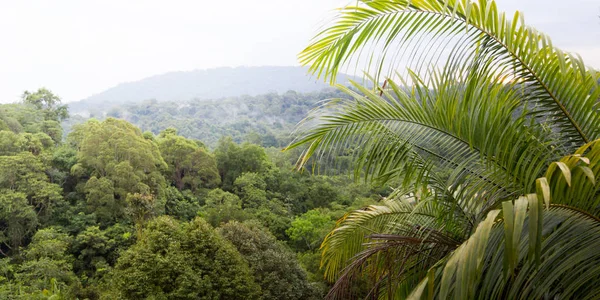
79	48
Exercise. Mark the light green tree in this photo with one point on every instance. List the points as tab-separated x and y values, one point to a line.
19	217
140	207
182	261
310	228
118	161
221	207
189	164
250	187
47	265
25	173
43	99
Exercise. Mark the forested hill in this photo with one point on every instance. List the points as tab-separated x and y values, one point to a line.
266	119
204	84
112	212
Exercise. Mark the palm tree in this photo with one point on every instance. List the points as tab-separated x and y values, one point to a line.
489	134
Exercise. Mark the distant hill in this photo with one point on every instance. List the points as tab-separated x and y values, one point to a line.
266	119
204	84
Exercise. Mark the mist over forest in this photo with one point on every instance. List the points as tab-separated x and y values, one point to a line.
203	85
261	105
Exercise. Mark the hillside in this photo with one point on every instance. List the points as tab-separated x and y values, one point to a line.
202	85
266	119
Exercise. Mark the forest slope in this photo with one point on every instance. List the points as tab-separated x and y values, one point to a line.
202	85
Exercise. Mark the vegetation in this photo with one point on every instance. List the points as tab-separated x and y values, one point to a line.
111	212
182	261
493	146
200	85
266	120
480	159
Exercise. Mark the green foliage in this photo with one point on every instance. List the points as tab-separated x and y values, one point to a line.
69	212
101	201
189	164
274	266
140	208
18	217
220	198
46	101
183	205
233	160
63	159
221	207
53	129
250	187
92	245
119	161
13	143
26	173
113	148
184	261
310	228
275	216
47	265
96	252
21	117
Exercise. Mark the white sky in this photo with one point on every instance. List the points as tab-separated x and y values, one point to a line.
78	48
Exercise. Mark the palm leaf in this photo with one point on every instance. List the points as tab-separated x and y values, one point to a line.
554	257
568	266
557	85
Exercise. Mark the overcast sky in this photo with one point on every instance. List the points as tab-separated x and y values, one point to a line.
79	48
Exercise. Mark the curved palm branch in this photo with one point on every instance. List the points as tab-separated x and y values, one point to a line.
555	257
514	246
419	33
489	267
401	133
393	243
485	106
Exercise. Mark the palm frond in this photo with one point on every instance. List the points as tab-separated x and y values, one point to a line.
554	257
567	267
557	86
475	114
573	181
393	243
443	131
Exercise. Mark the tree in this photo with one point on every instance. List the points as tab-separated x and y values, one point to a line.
233	160
96	252
43	99
141	207
275	267
464	132
310	228
118	161
182	261
189	164
18	219
47	263
25	173
221	207
91	245
183	205
251	189
101	201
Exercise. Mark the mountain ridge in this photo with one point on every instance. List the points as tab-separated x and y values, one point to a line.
205	84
